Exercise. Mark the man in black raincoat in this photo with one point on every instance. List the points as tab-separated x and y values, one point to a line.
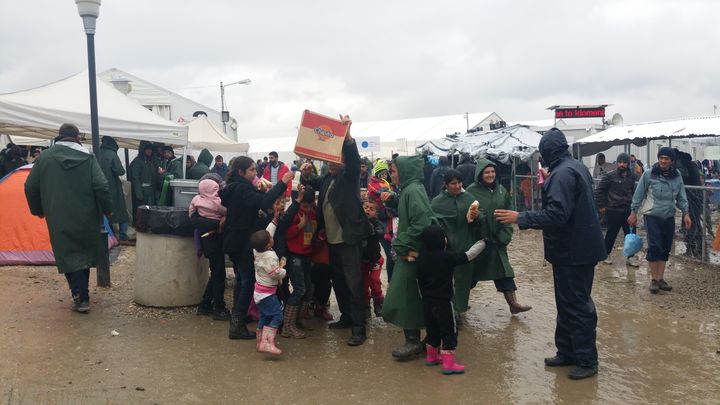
573	245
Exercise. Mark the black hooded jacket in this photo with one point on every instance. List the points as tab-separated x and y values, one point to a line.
568	218
436	265
467	169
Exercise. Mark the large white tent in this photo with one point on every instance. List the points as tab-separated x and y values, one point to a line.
640	134
39	112
203	134
501	145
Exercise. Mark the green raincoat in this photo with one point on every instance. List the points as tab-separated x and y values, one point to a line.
112	169
144	179
403	305
202	167
451	213
68	188
493	262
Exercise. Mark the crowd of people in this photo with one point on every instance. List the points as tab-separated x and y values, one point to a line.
295	234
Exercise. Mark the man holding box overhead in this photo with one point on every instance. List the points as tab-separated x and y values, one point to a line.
341	218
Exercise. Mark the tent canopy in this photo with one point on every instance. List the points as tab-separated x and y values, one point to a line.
203	134
39	112
639	134
516	141
418	128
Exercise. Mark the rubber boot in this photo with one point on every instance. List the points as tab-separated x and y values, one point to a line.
238	330
289	329
515	307
305	310
267	345
431	356
449	365
258	339
377	306
412	346
323	311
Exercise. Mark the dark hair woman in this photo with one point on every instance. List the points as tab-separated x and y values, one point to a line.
243	201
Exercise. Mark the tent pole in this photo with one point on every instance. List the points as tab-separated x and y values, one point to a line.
513	189
127	164
184	166
647	154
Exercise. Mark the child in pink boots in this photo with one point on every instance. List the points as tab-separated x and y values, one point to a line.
269	273
435	279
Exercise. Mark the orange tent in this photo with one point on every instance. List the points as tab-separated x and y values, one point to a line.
24	238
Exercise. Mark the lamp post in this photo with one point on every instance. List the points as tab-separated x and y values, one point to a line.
89	10
225	115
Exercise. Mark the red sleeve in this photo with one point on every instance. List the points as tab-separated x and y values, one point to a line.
284	169
266	173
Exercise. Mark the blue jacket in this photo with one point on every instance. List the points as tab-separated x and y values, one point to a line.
660	194
568	218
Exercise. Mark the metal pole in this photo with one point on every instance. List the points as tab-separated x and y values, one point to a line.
647	154
103	266
704	225
222	106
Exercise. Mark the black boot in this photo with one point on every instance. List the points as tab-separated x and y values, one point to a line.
220	313
358	336
579	372
412	346
205	307
238	330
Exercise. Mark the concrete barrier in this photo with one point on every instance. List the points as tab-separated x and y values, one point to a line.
168	273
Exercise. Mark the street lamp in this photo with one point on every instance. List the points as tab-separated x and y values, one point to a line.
89	10
225	115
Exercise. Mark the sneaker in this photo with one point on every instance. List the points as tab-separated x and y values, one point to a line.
81	306
654	287
663	285
632	262
608	261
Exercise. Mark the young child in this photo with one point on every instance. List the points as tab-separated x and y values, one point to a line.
207	214
435	279
371	261
299	239
269	273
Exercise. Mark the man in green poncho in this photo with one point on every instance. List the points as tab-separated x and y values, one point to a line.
170	169
493	263
68	188
112	169
403	305
144	178
451	209
202	167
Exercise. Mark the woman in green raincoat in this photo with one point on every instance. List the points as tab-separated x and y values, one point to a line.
451	208
403	305
493	263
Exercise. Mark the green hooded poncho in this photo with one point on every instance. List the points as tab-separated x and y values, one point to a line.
68	188
202	167
493	262
144	179
112	169
403	305
451	214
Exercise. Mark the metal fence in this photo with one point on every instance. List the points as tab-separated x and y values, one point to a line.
694	243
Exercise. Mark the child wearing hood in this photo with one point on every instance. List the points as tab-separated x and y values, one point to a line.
207	215
435	267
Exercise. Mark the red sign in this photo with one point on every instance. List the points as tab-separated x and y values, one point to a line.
595	112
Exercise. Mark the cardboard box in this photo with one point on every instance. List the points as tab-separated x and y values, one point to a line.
320	137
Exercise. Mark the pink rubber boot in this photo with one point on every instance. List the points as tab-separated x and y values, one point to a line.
449	365
431	356
258	339
268	341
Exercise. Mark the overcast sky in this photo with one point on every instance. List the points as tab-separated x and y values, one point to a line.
385	59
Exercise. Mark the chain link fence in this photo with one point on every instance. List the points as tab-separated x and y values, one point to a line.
695	243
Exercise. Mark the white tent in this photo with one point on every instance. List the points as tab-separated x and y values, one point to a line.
39	112
202	134
516	141
640	134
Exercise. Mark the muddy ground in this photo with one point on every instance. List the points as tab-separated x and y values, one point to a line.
653	349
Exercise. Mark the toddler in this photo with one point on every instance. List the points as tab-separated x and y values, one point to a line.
435	279
269	273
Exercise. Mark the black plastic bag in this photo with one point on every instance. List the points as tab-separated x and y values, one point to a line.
163	220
